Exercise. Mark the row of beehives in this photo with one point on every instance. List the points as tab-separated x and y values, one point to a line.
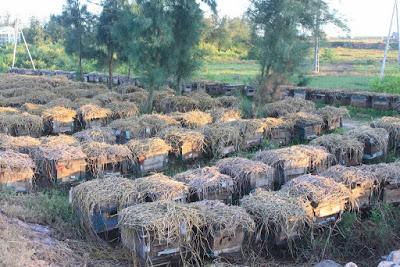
143	213
213	88
362	99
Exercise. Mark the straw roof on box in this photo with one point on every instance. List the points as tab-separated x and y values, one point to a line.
287	106
329	112
108	97
205	101
121	110
178	138
93	112
219	136
225	115
8	110
60	114
58	152
98	153
391	125
15	166
177	103
365	134
22	144
228	101
303	118
56	140
34	109
148	148
193	119
21	123
385	172
96	134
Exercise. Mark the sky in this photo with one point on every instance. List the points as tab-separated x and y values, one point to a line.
364	17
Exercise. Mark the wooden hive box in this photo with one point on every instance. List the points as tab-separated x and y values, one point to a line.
98	202
318	96
333	123
308	131
59	127
247	174
90	116
341	98
361	101
58	120
16	171
223	228
325	198
381	102
249	91
144	235
281	135
60	163
391	193
300	93
149	155
208	184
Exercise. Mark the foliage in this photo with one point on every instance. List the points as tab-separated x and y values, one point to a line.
328	55
389	84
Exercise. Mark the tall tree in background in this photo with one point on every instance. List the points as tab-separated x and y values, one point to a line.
106	32
322	15
79	31
54	29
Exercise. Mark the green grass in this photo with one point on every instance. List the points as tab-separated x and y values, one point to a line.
345	82
240	72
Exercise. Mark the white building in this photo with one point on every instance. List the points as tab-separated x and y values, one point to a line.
7	35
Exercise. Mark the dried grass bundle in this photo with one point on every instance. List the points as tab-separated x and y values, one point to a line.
228	101
351	176
148	148
122	110
34	109
248	128
99	194
159	187
379	136
60	114
21	124
193	119
8	110
166	222
219	136
58	152
205	101
139	97
392	126
219	218
160	95
96	134
348	151
181	139
386	172
62	102
302	118
316	189
178	104
329	112
107	98
87	101
225	115
241	169
102	153
203	181
62	139
22	144
277	123
15	166
287	106
276	212
93	112
127	88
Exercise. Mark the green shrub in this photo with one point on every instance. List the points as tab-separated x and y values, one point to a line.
389	84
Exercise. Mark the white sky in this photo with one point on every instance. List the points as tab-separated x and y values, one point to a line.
365	17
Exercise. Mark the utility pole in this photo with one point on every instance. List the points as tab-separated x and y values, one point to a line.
18	32
387	47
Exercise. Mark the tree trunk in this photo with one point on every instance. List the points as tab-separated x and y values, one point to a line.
110	69
149	108
316	54
80	67
178	85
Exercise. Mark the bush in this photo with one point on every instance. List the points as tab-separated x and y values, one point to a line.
390	84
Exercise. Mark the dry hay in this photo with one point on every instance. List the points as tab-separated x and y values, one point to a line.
86	101
219	136
348	150
108	98
248	128
166	222
127	88
96	134
92	196
159	96
181	139
8	110
193	119
93	112
351	176
385	172
205	101
139	97
228	101
99	153
329	112
88	91
178	104
145	126
62	102
28	82
34	109
276	212
21	124
122	110
287	106
63	139
277	123
366	134
318	157
218	218
148	148
203	181
316	189
57	152
302	118
60	114
225	115
392	126
241	169
15	166
22	144
159	187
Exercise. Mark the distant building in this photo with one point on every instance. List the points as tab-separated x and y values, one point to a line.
7	35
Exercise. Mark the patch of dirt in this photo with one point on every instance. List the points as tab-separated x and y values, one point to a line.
25	245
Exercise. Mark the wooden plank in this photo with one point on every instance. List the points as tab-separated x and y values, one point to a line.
391	195
328	209
221	244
